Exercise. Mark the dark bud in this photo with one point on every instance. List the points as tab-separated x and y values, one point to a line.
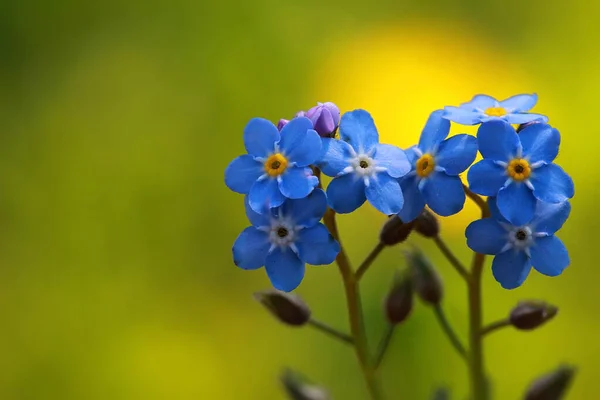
524	126
427	224
395	231
441	394
398	303
286	307
426	280
552	386
531	314
297	389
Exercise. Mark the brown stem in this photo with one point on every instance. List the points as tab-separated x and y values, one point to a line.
369	260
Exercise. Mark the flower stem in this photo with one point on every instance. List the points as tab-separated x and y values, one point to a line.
455	262
383	345
494	326
369	260
328	330
355	312
447	328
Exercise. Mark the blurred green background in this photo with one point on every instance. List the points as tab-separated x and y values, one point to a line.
117	119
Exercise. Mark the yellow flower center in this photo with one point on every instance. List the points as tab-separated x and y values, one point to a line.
276	164
518	169
495	112
425	165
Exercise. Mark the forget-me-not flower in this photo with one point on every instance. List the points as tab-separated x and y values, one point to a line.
518	247
436	164
277	164
285	238
518	169
363	169
483	108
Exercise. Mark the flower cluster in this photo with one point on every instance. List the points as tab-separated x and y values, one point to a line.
280	175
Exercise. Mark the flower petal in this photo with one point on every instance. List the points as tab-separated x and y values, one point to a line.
346	193
285	269
436	129
316	246
486	236
242	172
257	219
516	203
297	183
549	217
552	184
518	118
511	268
358	128
486	177
540	143
260	136
307	211
549	256
265	194
457	153
384	194
412	155
336	154
481	101
299	142
414	203
519	103
444	194
462	116
392	158
251	248
497	140
494	212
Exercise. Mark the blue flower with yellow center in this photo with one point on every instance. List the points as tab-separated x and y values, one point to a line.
285	238
363	169
436	163
519	169
519	247
277	164
482	108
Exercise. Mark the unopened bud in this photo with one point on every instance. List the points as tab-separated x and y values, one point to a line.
282	122
528	124
297	389
552	386
395	231
531	314
286	307
426	280
325	118
441	394
300	114
398	303
427	224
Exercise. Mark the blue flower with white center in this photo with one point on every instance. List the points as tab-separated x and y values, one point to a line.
518	169
285	238
277	164
482	108
436	163
363	169
518	247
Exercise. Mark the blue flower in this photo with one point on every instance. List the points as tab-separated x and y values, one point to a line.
285	238
518	247
518	169
363	168
436	164
277	165
484	108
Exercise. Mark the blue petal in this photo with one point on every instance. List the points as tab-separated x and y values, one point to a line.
336	154
358	129
257	219
551	184
299	142
346	193
307	211
412	155
540	143
265	194
516	203
414	203
392	158
462	116
316	246
285	269
457	153
251	248
436	129
511	268
486	236
549	217
297	183
486	178
497	140
481	101
519	103
242	172
260	136
494	212
549	256
384	194
444	194
525	118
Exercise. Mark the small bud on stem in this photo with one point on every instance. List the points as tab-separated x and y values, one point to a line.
531	314
297	389
427	224
552	386
286	307
398	302
426	280
395	231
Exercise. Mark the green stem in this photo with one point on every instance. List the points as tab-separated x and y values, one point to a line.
369	260
447	328
455	262
355	313
383	345
494	326
328	330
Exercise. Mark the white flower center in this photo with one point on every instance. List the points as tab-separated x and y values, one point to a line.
283	233
363	166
